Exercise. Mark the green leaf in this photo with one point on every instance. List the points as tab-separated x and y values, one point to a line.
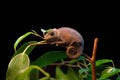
118	78
45	31
60	75
49	58
32	67
22	48
34	74
103	61
84	74
17	65
83	71
21	38
71	74
109	72
100	65
77	60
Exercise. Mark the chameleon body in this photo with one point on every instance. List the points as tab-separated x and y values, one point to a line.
68	37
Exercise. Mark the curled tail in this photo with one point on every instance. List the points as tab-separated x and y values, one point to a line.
73	52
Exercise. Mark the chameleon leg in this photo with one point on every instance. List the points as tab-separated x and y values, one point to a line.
58	43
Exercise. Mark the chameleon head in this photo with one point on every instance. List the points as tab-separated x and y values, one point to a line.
52	35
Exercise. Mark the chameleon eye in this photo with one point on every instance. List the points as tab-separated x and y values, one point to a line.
52	33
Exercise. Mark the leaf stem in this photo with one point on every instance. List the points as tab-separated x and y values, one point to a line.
26	49
47	75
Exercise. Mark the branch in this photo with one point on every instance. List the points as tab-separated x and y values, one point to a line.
93	59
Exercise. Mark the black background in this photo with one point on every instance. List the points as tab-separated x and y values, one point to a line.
99	21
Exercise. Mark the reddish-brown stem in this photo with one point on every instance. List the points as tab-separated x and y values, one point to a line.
94	49
93	59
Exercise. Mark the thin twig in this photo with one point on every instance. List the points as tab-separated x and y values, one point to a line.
87	58
78	64
61	64
83	64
